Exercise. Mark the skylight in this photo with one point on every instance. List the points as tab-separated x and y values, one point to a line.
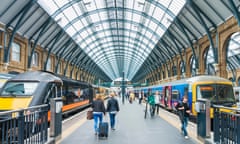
103	28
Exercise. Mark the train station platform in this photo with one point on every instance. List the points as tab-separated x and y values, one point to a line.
131	128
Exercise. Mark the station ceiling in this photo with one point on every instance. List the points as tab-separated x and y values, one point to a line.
109	37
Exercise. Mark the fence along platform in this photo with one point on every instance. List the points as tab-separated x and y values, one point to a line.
25	126
226	125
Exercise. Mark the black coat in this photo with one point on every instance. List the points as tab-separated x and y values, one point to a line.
98	106
112	105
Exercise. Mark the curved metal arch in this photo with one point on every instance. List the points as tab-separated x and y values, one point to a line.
118	42
67	5
114	20
127	37
101	57
124	29
104	62
113	52
71	3
163	41
164	54
156	57
130	49
110	20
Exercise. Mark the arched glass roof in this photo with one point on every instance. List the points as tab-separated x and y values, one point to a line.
117	34
233	54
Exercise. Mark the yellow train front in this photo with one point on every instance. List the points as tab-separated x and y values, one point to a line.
38	87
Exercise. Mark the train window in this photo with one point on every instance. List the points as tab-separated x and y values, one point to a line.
175	95
19	88
217	93
75	94
50	93
205	91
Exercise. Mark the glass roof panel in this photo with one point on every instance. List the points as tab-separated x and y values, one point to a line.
234	50
105	28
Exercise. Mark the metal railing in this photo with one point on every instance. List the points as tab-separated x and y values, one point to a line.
226	125
24	126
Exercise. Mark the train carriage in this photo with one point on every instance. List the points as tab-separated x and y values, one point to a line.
37	87
218	90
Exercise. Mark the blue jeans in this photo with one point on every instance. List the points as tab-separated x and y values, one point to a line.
112	119
97	116
184	126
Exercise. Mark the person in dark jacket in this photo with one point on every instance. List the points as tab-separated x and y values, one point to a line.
112	108
98	111
184	113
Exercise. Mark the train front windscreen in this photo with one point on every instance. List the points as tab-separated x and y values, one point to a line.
219	94
19	89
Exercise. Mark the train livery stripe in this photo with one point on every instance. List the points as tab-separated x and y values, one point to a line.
74	105
70	106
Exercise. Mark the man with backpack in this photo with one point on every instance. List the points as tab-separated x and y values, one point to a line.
184	113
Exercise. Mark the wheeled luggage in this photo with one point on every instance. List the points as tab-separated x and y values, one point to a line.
103	130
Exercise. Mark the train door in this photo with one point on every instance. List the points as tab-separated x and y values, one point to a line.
161	93
175	98
167	97
52	91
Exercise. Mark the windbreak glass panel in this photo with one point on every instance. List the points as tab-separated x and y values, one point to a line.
217	93
19	89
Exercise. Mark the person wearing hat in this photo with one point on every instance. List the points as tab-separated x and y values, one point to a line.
113	109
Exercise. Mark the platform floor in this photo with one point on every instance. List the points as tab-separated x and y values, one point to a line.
131	128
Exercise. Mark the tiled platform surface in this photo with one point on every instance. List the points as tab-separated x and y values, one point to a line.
131	128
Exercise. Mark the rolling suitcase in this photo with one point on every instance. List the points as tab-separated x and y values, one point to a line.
103	130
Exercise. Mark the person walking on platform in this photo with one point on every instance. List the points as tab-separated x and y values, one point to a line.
98	111
151	102
140	97
113	109
157	101
184	113
131	97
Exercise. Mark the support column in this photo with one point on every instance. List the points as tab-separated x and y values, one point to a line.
216	68
123	88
